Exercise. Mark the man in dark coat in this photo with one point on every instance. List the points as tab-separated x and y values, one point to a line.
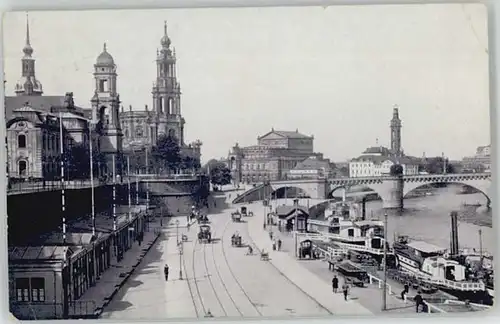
335	284
345	290
418	300
405	291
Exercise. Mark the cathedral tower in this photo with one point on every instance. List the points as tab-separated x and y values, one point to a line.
396	133
167	93
106	106
28	85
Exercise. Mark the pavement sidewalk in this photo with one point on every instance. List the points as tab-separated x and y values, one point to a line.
118	273
148	295
304	279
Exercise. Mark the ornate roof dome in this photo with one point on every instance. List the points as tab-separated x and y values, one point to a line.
29	85
165	40
105	58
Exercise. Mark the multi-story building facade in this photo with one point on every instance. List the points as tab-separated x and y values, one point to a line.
276	153
312	168
35	121
377	161
480	162
142	128
34	140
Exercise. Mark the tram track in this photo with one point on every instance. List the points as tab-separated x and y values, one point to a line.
238	309
197	290
283	275
196	310
195	281
216	294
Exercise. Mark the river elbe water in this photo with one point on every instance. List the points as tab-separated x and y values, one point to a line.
428	218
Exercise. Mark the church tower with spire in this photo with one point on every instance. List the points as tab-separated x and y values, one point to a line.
28	85
167	94
106	107
396	133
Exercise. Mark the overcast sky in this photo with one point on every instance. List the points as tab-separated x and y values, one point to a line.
335	73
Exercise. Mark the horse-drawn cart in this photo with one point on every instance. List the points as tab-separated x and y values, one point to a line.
236	240
306	250
203	219
236	216
204	235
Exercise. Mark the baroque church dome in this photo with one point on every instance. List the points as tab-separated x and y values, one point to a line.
105	58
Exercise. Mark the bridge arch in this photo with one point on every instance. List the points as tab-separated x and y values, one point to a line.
481	185
292	191
334	188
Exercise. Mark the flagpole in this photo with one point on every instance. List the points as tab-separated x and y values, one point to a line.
147	188
136	190
128	183
114	194
114	207
92	180
63	198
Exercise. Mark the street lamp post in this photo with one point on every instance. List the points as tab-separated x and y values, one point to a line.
481	247
179	245
384	290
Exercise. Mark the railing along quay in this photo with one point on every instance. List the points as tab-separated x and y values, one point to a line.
40	186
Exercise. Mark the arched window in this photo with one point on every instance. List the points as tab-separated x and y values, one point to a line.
102	113
171	133
103	85
23	168
170	103
160	105
139	132
21	141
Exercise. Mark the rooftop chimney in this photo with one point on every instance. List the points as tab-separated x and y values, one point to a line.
454	233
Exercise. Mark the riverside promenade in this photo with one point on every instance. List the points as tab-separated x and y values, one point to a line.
304	279
146	294
119	272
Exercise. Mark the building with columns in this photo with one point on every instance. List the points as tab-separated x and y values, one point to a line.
141	128
276	153
377	160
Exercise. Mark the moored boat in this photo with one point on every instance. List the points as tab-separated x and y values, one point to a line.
433	265
348	228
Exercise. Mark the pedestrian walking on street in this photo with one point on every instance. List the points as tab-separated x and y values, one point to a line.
405	292
335	284
274	245
345	290
165	270
279	244
418	301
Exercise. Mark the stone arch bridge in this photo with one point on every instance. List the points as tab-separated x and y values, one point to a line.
391	189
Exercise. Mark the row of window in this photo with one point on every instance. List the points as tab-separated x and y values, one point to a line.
138	132
49	143
30	289
49	167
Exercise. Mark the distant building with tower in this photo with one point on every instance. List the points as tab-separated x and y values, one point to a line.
105	109
377	160
33	125
143	127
